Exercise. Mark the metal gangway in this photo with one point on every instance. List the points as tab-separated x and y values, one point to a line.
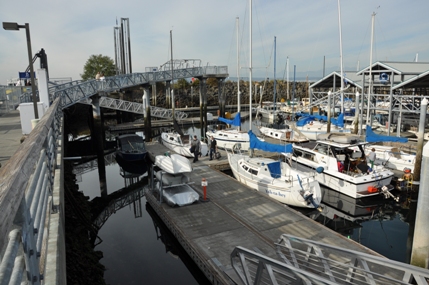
79	91
134	107
309	262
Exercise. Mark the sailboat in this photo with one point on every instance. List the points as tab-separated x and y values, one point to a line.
227	138
277	179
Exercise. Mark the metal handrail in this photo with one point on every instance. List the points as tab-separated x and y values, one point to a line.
30	205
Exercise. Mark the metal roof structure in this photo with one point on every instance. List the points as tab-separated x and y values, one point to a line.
333	80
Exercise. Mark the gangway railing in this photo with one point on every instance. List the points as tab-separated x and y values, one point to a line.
134	107
344	266
32	242
309	262
73	92
255	268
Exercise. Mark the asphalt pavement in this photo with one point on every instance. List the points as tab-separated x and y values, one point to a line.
10	135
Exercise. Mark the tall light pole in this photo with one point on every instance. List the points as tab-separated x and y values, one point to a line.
15	27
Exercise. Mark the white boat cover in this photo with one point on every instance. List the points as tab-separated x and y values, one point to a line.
173	163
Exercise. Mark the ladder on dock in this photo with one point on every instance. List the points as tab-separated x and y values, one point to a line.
310	262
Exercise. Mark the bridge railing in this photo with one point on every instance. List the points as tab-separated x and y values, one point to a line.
32	244
73	92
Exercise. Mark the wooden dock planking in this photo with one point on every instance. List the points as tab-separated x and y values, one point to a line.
235	216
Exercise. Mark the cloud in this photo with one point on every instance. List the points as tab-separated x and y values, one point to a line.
306	32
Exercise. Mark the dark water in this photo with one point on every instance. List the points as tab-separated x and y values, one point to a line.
137	248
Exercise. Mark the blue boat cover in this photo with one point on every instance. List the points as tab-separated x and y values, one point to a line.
307	118
339	122
261	145
373	137
235	122
274	168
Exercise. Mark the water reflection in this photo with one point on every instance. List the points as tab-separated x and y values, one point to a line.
384	225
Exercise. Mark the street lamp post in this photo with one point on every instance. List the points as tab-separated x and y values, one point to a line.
15	27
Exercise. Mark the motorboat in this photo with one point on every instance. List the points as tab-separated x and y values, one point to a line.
270	113
345	168
275	178
181	144
131	147
388	156
392	157
172	180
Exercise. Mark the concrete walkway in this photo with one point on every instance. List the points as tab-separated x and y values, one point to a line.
10	135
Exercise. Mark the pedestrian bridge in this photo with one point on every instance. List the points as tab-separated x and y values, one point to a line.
80	91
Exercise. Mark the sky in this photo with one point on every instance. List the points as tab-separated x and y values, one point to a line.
307	33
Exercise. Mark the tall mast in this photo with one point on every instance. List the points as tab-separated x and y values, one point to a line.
341	59
238	70
250	68
238	67
172	76
275	99
370	69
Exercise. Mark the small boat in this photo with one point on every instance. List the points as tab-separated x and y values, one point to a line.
131	147
181	144
388	156
345	168
173	181
275	178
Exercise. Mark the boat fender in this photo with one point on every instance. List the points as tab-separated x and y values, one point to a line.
320	169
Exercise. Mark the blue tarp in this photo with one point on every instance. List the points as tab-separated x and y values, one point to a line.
261	145
339	122
274	168
307	118
373	137
235	122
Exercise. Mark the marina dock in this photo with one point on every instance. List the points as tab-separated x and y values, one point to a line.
235	215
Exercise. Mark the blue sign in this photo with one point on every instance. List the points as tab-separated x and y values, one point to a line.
26	75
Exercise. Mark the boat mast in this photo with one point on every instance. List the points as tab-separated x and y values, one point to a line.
250	68
341	59
238	69
275	99
287	78
370	70
172	77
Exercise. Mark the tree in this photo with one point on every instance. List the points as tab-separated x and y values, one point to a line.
98	63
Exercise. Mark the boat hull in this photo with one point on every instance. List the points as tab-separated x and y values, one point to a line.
226	139
285	189
172	142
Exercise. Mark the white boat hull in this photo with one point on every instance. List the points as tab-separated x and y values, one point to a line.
173	142
355	187
226	139
285	189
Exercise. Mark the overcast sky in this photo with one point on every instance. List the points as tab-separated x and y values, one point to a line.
306	32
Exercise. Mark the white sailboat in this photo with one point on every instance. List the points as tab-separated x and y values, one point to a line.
277	179
227	138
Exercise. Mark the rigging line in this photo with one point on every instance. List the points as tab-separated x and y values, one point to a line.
365	36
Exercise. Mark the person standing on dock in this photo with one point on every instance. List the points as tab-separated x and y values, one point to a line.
371	157
196	145
213	147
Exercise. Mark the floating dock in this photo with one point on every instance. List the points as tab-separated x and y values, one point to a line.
234	215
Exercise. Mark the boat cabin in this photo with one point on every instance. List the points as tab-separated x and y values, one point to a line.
330	154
